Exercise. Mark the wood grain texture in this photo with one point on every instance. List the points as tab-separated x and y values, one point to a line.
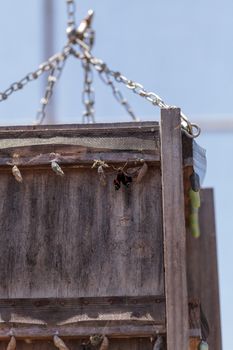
203	269
53	311
115	344
72	237
133	331
174	230
75	144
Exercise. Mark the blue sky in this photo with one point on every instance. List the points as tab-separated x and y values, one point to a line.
180	49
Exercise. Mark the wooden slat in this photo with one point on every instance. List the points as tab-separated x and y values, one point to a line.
74	156
116	143
121	330
103	129
174	230
72	237
115	344
83	311
203	270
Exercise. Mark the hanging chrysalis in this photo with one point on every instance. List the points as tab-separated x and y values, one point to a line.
101	165
195	203
159	344
102	175
56	168
17	174
203	345
195	182
59	343
104	344
195	200
142	172
12	344
96	339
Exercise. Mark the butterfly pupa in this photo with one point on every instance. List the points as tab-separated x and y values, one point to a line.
142	172
104	344
59	343
102	175
56	168
17	174
159	344
203	345
12	344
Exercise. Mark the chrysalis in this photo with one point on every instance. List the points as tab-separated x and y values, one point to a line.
203	345
195	200
142	173
195	182
17	174
102	175
96	339
59	343
104	344
195	203
56	168
159	344
194	223
12	344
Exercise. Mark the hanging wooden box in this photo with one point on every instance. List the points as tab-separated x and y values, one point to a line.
79	258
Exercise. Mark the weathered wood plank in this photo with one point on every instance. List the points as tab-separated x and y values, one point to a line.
78	145
174	230
121	331
203	270
72	237
88	311
74	130
76	156
115	344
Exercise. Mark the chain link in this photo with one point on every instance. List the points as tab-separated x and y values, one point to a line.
71	8
191	130
84	38
52	79
106	78
44	67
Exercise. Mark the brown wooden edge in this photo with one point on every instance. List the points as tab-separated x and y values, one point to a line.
174	231
203	268
117	317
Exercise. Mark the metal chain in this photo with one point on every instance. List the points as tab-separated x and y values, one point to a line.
44	67
52	79
84	38
88	95
190	129
105	76
71	8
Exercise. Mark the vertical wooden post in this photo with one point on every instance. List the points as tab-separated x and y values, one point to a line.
203	268
174	231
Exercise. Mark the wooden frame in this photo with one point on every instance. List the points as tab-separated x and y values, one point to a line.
174	231
121	317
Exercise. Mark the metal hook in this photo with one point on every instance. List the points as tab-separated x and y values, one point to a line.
191	134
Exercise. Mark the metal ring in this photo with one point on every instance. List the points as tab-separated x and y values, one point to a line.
197	128
192	135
